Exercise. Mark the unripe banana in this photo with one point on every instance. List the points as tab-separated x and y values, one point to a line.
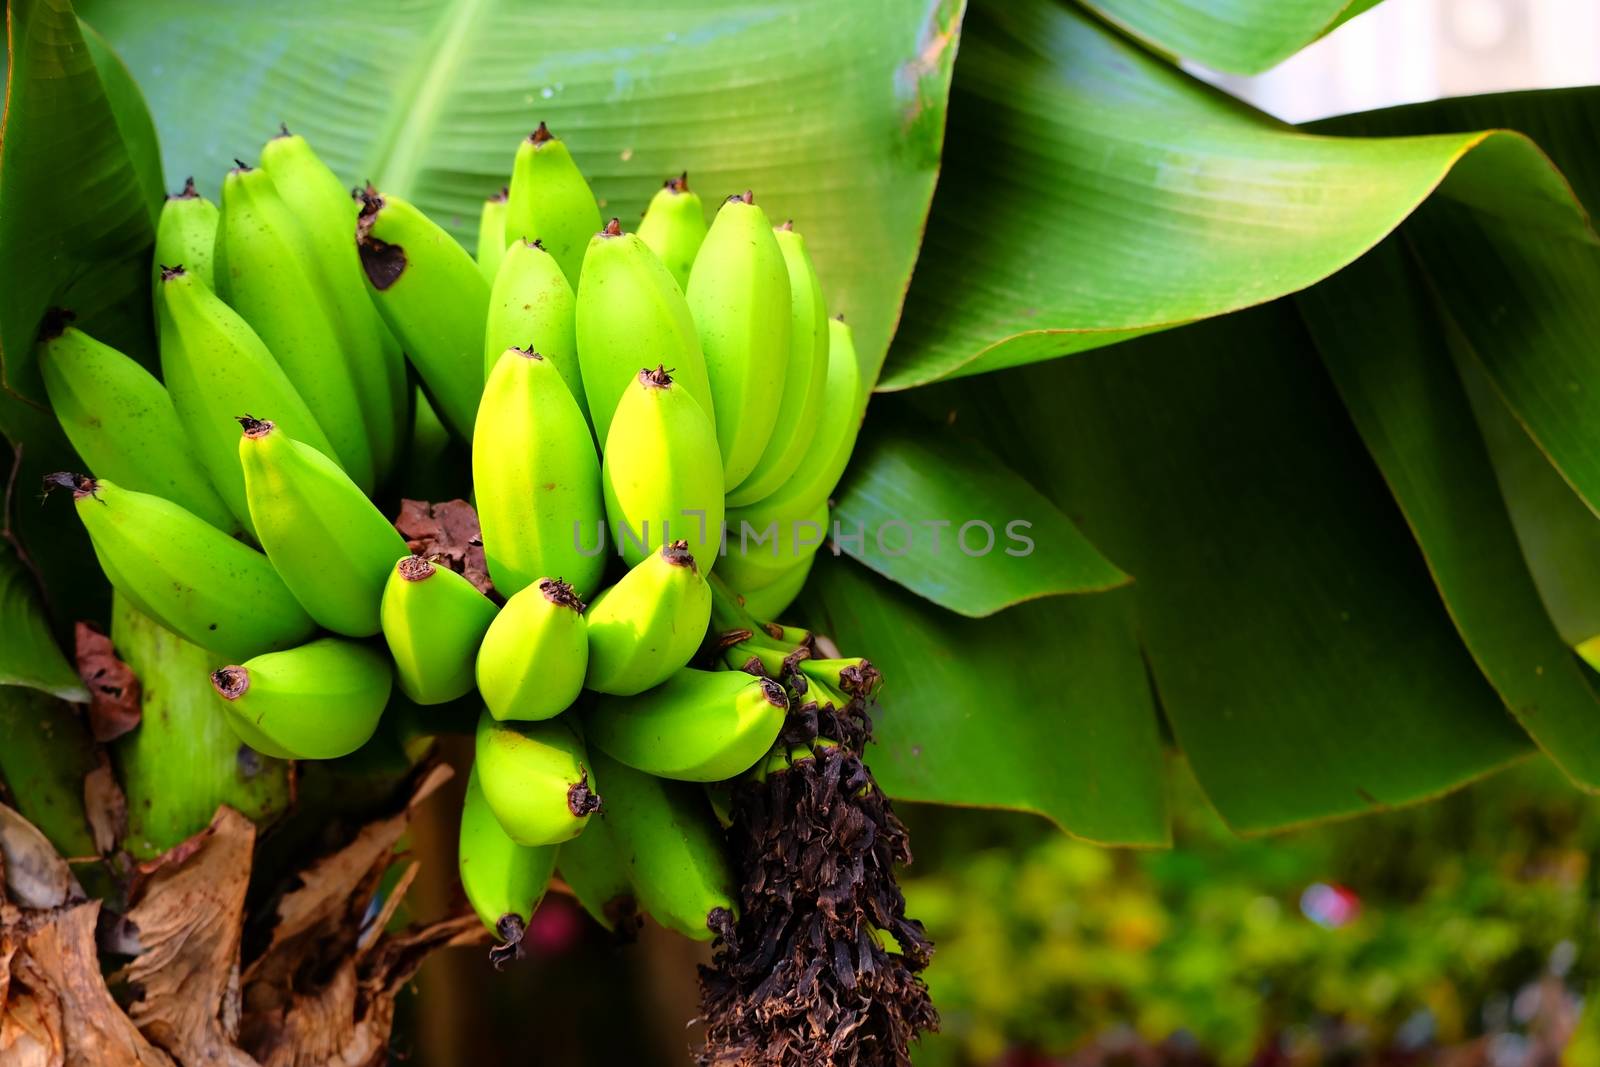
631	311
532	660
672	847
186	234
550	202
504	881
837	426
537	779
649	624
739	295
492	235
855	677
537	478
321	700
805	380
697	726
264	273
773	600
592	867
531	305
433	299
330	545
674	225
122	422
662	474
433	620
326	211
215	367
190	576
765	544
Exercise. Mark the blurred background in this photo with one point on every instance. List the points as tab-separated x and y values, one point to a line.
1461	933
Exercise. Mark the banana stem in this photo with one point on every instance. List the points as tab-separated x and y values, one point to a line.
183	760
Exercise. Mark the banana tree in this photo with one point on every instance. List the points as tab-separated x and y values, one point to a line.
1191	434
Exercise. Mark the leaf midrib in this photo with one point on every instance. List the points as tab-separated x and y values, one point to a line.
396	155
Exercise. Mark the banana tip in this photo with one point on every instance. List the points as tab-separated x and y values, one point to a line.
659	378
253	427
613	229
54	323
541	135
415	568
680	184
561	594
81	485
677	553
581	800
188	192
230	682
175	271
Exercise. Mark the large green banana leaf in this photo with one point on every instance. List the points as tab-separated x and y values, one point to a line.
1093	192
1246	36
833	112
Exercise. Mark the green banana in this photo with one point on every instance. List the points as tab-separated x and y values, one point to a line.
672	847
191	577
804	381
662	475
837	426
122	422
649	624
537	478
321	700
766	544
264	273
773	600
215	367
433	299
531	305
504	881
592	868
537	779
326	211
532	660
697	726
739	295
183	760
433	620
186	235
629	307
673	226
331	546
492	234
550	202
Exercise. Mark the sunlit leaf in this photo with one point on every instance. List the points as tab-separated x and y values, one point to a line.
1245	36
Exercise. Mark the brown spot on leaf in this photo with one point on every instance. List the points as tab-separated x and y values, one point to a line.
113	688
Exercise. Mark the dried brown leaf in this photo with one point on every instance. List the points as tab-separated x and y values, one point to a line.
105	806
113	688
188	913
447	531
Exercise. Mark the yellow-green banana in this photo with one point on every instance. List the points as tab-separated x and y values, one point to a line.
326	211
504	881
739	296
331	546
662	474
531	305
122	422
805	379
264	273
321	700
215	367
765	544
492	234
537	779
188	575
186	236
550	202
770	601
631	311
673	226
433	299
837	425
537	478
433	620
649	624
592	867
697	726
532	660
672	847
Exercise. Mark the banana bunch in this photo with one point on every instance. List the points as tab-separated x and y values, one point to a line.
626	397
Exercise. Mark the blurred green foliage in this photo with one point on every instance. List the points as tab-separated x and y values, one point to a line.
1047	944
